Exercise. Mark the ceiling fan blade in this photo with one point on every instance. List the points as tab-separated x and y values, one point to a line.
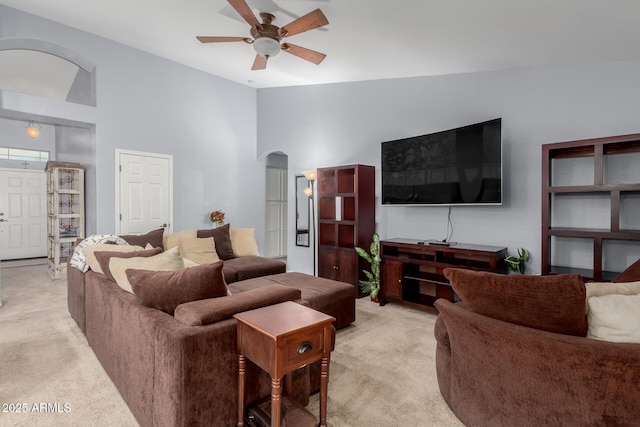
244	10
260	63
304	53
306	22
215	39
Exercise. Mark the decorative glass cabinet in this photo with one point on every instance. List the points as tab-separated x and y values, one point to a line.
65	212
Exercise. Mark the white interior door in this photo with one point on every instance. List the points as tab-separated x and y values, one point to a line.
23	214
145	192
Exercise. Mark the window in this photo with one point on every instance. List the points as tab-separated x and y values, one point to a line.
7	153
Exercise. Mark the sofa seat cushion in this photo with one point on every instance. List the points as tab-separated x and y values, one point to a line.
551	303
334	298
243	268
208	311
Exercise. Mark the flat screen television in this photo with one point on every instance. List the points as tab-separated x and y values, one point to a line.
461	166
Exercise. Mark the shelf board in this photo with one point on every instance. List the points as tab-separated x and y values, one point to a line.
584	272
590	233
594	188
423	279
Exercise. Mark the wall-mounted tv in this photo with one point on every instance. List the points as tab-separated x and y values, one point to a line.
461	166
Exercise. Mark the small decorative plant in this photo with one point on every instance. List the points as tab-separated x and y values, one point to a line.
217	217
371	286
518	263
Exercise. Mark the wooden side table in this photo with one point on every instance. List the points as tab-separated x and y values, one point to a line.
280	339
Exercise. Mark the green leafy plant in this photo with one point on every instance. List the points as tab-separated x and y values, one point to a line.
371	286
518	263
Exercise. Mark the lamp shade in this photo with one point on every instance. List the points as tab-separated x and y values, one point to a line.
266	46
32	130
308	191
311	175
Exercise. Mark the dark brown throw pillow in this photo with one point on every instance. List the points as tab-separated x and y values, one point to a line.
165	290
154	238
104	257
222	241
551	303
631	274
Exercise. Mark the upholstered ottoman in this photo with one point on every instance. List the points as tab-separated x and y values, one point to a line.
334	298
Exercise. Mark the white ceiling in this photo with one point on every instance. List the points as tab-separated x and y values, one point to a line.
366	40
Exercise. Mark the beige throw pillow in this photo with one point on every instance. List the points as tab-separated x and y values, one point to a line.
166	261
243	241
614	318
90	250
171	240
199	250
595	289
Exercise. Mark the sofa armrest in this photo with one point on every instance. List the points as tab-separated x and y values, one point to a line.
208	311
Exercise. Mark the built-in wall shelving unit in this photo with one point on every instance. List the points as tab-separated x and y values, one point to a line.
589	189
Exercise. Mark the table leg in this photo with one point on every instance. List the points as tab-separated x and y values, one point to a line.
324	382
276	395
242	365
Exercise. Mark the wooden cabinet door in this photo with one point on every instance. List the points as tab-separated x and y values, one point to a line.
347	266
327	263
391	280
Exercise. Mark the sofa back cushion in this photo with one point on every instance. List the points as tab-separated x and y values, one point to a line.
165	290
153	238
243	242
104	257
199	250
166	261
614	317
223	241
630	274
551	303
90	251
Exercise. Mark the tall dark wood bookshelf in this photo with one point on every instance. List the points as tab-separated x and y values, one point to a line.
602	189
346	219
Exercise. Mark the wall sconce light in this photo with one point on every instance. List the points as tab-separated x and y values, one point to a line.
311	176
32	130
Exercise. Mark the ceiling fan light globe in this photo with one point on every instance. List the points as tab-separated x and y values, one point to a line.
265	46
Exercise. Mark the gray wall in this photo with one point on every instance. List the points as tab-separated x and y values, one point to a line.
149	104
345	123
211	127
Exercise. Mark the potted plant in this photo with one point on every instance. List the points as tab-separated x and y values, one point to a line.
518	263
371	286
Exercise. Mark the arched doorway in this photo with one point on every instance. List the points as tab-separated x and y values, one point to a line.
276	205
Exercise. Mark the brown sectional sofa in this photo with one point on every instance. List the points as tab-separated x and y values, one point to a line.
181	370
234	269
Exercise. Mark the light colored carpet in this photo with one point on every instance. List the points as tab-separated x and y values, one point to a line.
382	370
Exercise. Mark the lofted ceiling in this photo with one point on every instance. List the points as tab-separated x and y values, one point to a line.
365	40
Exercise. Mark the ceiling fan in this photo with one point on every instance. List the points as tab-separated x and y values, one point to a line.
266	37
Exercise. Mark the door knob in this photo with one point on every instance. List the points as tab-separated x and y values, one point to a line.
165	225
4	220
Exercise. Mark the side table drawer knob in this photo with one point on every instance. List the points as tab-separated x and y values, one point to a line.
305	347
